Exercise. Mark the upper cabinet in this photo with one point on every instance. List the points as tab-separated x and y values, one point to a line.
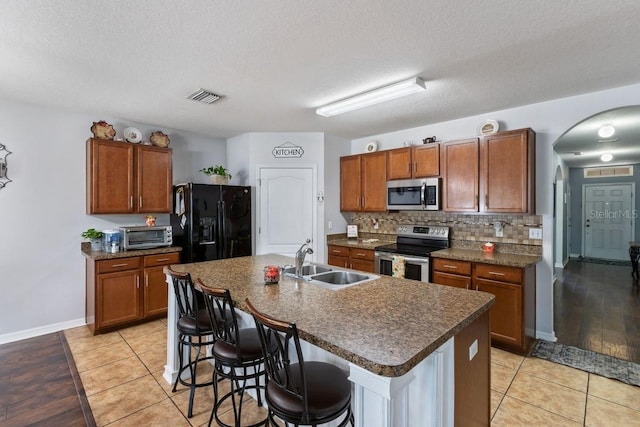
363	182
494	174
413	162
126	178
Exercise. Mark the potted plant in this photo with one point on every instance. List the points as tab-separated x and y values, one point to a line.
218	174
95	237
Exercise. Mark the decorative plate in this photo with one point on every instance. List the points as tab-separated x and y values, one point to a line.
371	147
489	127
102	130
132	135
159	139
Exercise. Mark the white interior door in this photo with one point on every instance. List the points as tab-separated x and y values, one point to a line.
608	220
287	214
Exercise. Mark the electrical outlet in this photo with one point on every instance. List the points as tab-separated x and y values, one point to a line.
535	233
330	225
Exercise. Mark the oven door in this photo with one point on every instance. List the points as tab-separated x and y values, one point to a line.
415	268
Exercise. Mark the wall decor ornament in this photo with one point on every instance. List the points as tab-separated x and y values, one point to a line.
102	130
4	179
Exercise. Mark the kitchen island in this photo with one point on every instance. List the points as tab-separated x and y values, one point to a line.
395	336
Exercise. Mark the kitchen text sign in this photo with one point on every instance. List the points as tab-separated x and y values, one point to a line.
287	151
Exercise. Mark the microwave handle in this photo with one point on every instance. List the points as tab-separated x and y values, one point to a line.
423	195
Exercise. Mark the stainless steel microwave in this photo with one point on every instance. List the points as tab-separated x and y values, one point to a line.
142	237
414	194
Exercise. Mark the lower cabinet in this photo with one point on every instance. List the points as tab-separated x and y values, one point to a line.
355	258
123	291
513	314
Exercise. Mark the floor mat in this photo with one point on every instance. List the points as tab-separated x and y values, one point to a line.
603	261
590	361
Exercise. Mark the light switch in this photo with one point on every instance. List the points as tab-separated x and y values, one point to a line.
535	233
473	349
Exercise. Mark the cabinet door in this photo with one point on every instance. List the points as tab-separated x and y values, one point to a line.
399	164
338	261
506	314
507	165
350	195
460	176
155	282
109	177
154	179
374	182
118	298
426	161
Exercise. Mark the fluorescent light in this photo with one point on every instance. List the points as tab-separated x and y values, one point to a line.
376	96
606	157
606	131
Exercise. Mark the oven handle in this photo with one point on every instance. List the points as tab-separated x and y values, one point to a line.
384	256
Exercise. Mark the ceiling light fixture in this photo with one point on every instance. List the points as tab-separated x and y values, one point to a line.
606	131
606	157
376	96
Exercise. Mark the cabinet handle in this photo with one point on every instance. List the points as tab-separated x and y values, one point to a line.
361	254
120	265
131	202
450	266
335	251
140	203
138	282
496	273
415	167
146	280
486	201
409	168
162	259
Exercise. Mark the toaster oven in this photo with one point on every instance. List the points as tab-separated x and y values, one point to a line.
143	237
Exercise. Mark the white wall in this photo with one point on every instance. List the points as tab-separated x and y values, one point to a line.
550	120
334	148
42	212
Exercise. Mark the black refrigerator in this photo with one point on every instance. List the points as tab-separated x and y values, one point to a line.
211	221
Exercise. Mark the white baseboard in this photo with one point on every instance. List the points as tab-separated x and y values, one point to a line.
574	255
42	330
546	336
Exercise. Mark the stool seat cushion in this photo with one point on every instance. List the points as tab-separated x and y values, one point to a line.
328	391
248	349
187	325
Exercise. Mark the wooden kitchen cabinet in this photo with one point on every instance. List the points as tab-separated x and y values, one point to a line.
507	172
355	258
127	178
413	162
460	175
513	314
452	273
363	182
124	291
494	174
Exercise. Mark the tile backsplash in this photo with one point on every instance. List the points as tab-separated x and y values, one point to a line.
467	231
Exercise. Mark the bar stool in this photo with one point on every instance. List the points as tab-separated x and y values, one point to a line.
299	392
194	331
237	354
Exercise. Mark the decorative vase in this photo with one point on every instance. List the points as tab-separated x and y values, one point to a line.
96	244
219	179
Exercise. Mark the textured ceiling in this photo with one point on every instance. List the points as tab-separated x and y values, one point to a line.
276	61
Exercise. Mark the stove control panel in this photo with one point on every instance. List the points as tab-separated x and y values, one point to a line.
426	231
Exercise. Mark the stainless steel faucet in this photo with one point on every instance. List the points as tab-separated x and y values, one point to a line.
300	255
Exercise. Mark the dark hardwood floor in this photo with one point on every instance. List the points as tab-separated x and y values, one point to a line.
39	385
597	307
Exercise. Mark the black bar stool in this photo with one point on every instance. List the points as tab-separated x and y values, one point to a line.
299	392
237	354
194	330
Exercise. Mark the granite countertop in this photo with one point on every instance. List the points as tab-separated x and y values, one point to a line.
511	260
386	326
360	243
100	255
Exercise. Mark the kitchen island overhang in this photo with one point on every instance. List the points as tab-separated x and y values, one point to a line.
389	328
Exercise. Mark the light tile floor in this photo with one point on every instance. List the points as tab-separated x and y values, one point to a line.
122	375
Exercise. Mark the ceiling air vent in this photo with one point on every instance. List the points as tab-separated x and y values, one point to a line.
204	96
608	171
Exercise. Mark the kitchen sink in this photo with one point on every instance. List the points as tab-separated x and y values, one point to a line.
307	270
340	277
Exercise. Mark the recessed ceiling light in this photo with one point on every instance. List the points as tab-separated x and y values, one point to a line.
606	157
376	96
606	131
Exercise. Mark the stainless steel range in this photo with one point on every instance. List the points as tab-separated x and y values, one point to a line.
414	243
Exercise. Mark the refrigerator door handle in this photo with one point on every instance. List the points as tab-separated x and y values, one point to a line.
224	230
208	243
